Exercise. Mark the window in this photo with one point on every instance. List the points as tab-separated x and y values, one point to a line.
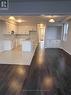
65	32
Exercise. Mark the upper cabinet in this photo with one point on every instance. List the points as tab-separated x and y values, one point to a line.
7	27
11	26
22	28
25	28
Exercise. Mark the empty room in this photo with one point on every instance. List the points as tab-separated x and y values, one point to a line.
35	47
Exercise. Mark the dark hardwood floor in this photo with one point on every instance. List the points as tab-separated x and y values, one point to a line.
48	74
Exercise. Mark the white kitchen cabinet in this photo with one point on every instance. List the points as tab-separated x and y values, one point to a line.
7	45
27	46
1	45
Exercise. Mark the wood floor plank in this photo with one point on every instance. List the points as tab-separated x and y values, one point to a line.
48	74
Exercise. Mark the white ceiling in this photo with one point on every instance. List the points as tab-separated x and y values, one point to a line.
39	19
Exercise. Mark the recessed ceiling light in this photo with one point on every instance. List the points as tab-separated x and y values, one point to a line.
52	20
12	18
19	20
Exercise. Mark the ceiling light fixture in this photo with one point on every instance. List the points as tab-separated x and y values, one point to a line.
19	20
12	18
52	20
50	17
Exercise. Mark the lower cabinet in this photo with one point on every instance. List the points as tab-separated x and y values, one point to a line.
27	46
7	45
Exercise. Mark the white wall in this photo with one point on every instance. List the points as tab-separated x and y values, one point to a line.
66	45
41	31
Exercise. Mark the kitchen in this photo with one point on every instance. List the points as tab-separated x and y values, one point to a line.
18	40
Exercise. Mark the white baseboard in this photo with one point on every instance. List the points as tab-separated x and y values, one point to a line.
66	50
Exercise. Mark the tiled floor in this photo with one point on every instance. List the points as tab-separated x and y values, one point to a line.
16	56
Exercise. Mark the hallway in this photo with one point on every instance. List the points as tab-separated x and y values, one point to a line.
48	74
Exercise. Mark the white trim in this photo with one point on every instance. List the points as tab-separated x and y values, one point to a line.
65	50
